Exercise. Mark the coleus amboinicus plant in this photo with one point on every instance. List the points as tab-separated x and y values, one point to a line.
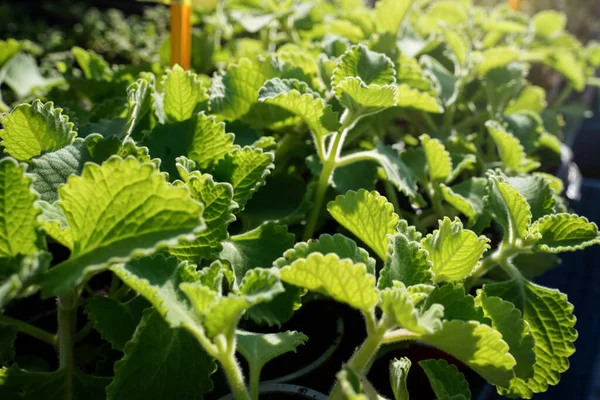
149	193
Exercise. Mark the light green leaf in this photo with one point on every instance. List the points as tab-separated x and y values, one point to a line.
94	67
140	99
477	345
399	377
8	48
467	197
30	129
338	278
532	98
407	97
370	67
457	304
260	348
161	361
509	208
405	262
507	320
446	380
396	302
438	159
536	191
22	74
362	99
121	192
18	215
368	216
441	12
55	224
496	57
564	232
28	276
115	321
453	251
245	169
555	183
458	42
549	23
411	73
295	97
218	214
389	14
567	64
183	93
552	324
511	151
448	84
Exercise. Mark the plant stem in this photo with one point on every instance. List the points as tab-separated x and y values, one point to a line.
329	163
235	377
29	329
67	319
82	334
563	95
254	382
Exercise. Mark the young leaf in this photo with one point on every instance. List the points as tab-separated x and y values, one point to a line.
389	14
368	216
453	251
407	97
496	57
218	214
260	348
295	97
399	377
405	262
507	320
549	23
509	208
140	97
339	278
457	304
564	232
115	321
94	67
537	192
18	215
183	93
362	99
446	380
370	67
510	149
30	129
553	334
532	98
246	170
438	159
478	346
397	303
467	197
121	193
161	361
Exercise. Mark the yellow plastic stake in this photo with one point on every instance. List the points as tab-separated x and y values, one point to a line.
514	4
181	33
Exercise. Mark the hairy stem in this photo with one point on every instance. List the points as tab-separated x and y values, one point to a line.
234	377
29	329
67	320
254	382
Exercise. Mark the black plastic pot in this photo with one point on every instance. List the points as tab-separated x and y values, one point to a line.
276	391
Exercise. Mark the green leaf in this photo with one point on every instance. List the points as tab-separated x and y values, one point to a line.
477	345
511	151
458	42
549	23
115	321
363	99
438	159
94	67
407	97
157	278
453	251
532	98
405	262
564	232
22	74
507	320
8	335
389	14
411	73
30	129
201	139
55	224
260	348
396	302
8	48
399	377
183	93
16	383
245	169
467	197
552	324
218	214
326	244
446	380
121	192
340	279
295	97
140	98
25	280
496	57
457	304
18	215
161	361
536	191
370	67
447	83
368	216
509	208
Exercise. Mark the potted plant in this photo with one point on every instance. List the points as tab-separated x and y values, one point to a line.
383	169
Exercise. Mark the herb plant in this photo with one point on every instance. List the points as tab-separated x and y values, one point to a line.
172	214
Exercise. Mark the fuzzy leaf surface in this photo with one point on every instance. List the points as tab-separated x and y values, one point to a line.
564	232
446	380
405	262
